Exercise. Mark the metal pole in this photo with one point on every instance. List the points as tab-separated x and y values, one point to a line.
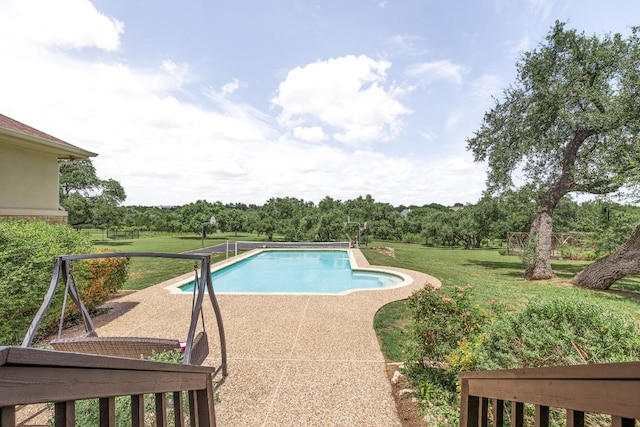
349	222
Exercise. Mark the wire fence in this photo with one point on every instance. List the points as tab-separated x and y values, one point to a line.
232	248
123	234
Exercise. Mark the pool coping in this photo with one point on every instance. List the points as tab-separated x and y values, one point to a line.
177	282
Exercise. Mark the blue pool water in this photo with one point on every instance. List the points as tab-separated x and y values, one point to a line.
297	272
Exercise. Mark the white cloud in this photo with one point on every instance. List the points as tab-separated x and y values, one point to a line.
427	135
63	23
347	94
437	70
309	134
177	70
231	87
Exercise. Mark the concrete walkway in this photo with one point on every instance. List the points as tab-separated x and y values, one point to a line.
294	360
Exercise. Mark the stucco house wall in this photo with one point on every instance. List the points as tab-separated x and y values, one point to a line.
29	175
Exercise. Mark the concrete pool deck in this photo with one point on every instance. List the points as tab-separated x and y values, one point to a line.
293	360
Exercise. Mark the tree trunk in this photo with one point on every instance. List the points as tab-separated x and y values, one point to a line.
538	256
538	260
606	271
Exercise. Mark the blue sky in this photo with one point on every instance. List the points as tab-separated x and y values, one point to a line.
242	101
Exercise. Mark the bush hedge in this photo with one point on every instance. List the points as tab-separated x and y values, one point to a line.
558	332
27	251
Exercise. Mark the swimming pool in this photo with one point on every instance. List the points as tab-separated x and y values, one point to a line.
297	271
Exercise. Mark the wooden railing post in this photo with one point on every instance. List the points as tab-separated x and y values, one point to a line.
65	414
7	416
575	418
108	412
464	402
137	410
161	409
192	408
469	407
542	416
483	411
205	410
622	422
517	414
178	413
498	413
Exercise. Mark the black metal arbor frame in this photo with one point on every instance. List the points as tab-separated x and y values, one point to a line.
62	267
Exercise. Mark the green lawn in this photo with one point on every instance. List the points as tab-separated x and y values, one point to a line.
145	272
495	277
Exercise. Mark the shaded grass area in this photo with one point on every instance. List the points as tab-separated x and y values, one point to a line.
496	279
145	272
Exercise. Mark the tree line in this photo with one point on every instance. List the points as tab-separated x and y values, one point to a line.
605	224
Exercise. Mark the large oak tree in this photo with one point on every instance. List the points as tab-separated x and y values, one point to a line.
568	124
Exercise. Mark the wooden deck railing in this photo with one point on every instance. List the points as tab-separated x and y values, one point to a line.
31	376
610	389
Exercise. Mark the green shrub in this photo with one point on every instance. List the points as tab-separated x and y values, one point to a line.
27	250
87	412
441	319
411	238
440	407
569	252
558	332
99	278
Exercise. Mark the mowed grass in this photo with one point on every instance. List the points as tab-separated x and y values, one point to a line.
496	279
390	324
145	272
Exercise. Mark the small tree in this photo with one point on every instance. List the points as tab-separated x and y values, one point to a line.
569	124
